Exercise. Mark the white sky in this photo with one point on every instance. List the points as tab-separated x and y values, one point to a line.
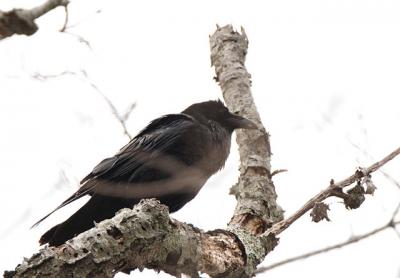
325	75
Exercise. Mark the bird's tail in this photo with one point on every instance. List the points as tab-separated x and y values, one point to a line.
47	236
66	230
96	209
77	223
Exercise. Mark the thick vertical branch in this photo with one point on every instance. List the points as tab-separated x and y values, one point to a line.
256	208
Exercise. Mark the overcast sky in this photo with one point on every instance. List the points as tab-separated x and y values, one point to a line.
325	80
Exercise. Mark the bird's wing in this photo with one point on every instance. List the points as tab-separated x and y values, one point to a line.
152	141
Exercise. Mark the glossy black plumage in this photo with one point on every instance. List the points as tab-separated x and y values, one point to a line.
170	160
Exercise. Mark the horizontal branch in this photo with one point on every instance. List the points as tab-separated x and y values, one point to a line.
142	237
22	21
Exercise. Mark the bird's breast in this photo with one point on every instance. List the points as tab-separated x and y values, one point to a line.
217	152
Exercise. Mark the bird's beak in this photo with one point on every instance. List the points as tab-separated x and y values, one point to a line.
240	122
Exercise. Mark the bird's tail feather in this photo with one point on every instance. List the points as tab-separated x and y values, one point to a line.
47	236
96	209
64	231
77	223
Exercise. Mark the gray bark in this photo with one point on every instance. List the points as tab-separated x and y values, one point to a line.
143	237
256	208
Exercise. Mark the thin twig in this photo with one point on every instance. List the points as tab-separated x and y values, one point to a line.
44	77
275	172
384	173
79	38
67	26
352	240
334	186
395	212
392	223
66	19
73	25
122	118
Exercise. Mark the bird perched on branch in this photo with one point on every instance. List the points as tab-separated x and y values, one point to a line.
170	159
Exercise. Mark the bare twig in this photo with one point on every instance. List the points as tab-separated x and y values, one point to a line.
43	77
384	173
65	27
22	21
392	223
329	191
66	19
395	229
275	172
79	38
122	118
352	240
396	211
73	25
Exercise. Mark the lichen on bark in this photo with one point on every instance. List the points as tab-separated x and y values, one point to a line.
257	207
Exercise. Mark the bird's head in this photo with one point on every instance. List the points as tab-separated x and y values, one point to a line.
216	111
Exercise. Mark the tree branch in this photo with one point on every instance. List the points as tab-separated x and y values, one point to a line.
22	21
353	239
384	173
64	27
142	237
392	223
332	190
256	208
122	119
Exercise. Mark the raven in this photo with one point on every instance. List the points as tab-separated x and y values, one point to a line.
170	159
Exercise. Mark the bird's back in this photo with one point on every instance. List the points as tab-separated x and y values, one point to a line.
170	160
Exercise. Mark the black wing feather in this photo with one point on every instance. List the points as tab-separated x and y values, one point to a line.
153	140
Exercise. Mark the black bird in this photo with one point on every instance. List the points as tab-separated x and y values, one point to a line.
170	159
